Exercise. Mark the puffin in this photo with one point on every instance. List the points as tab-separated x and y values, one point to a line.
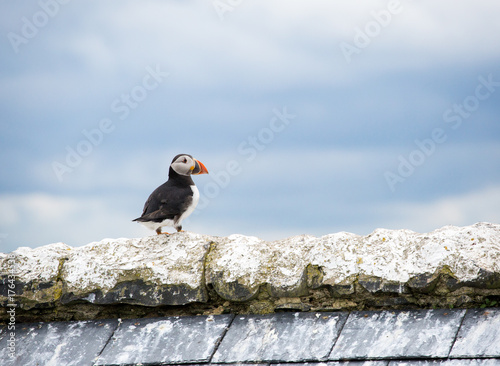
175	199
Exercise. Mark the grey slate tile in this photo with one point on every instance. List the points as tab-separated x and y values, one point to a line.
301	364
75	343
242	364
398	334
448	362
3	331
479	335
280	337
337	363
359	363
186	339
6	340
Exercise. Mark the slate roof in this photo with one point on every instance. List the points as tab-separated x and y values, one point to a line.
455	337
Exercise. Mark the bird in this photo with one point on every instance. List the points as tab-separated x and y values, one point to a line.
175	199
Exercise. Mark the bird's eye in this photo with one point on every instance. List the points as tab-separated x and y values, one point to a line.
185	160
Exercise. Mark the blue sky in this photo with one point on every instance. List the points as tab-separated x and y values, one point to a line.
389	115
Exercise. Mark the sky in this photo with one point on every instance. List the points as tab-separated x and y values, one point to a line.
312	117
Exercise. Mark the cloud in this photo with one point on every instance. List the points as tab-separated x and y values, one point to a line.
361	218
36	219
323	173
293	45
460	210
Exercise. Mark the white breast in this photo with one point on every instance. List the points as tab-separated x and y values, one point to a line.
192	206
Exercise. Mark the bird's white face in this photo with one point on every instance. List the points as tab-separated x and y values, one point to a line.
183	165
187	165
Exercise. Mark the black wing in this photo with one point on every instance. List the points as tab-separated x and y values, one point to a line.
166	202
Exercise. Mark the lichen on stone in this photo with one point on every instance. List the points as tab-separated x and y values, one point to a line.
200	274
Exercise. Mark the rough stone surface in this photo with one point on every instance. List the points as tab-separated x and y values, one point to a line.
159	270
37	274
388	269
149	271
384	261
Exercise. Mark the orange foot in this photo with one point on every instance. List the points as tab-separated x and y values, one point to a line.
158	231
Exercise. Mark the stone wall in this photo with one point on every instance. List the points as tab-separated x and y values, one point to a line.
187	273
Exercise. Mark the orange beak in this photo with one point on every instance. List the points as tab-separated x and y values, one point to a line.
199	168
